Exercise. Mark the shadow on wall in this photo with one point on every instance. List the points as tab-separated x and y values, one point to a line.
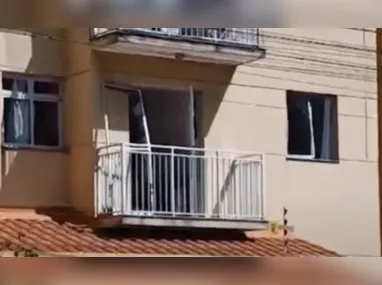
213	79
31	178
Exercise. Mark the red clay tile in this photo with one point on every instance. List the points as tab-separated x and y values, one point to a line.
51	236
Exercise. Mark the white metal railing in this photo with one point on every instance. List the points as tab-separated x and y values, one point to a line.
166	181
244	37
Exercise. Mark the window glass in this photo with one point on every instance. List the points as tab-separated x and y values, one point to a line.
299	142
45	87
20	85
16	121
46	131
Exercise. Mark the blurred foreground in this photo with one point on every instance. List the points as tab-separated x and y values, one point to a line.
350	271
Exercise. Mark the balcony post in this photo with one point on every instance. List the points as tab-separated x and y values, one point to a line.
262	188
98	178
172	177
217	185
123	179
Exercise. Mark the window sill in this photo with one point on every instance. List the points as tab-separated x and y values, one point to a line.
61	149
314	160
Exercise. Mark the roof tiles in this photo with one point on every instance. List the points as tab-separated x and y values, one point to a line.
51	236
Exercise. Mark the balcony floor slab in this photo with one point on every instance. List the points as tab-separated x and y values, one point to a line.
112	221
179	50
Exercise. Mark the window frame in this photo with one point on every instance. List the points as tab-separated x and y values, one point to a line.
333	128
33	97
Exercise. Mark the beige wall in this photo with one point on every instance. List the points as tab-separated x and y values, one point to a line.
244	109
81	96
336	205
328	203
32	178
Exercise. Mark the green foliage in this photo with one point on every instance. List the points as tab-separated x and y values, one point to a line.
19	251
25	253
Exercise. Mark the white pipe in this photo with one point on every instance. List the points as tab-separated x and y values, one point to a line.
108	165
150	162
106	120
192	134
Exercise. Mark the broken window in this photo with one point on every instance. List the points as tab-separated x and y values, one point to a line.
31	111
312	126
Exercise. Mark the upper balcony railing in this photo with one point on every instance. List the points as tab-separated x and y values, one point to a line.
246	38
163	182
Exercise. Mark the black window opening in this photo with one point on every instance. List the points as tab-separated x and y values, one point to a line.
183	173
312	126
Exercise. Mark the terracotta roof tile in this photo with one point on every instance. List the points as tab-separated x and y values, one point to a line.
52	236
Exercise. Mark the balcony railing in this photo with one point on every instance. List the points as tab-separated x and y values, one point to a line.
227	37
175	182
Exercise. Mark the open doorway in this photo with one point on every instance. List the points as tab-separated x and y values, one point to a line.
166	164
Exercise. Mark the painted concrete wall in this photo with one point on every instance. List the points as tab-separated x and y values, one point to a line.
243	109
328	203
81	96
32	178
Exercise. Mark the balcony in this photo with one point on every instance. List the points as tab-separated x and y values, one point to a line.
232	46
179	187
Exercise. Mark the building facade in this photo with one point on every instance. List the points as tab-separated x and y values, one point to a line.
117	123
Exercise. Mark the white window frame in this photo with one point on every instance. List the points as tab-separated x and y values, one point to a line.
32	97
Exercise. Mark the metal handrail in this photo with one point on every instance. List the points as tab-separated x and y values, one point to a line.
225	186
240	36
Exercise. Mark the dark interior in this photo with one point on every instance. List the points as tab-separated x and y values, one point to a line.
172	121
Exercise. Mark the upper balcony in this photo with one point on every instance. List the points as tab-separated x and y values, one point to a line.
173	186
231	46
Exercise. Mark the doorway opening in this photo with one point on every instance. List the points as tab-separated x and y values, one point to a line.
166	161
